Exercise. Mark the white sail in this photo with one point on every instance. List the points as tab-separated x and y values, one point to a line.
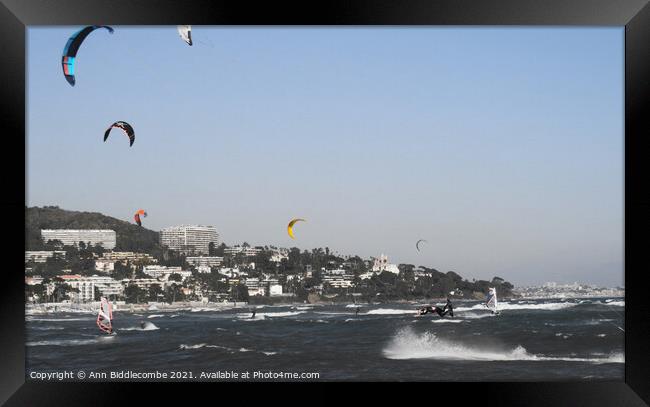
185	31
105	316
491	302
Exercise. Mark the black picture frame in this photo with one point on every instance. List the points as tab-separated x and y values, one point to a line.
634	15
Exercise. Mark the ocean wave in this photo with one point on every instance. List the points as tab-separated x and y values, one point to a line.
390	311
67	342
148	326
354	305
48	328
202	345
551	306
262	315
616	303
407	344
155	316
447	320
269	353
465	315
59	319
332	313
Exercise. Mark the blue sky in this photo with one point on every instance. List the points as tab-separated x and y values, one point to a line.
502	147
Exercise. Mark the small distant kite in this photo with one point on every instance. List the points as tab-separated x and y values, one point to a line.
136	217
417	245
185	31
71	48
290	226
128	130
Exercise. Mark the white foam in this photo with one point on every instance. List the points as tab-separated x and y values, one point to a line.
203	345
59	319
197	346
617	303
48	328
407	344
390	311
354	305
244	350
601	335
68	342
148	326
551	306
269	353
263	315
447	320
155	316
465	315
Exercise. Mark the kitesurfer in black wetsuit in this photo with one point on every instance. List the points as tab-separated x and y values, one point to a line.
430	309
448	309
253	316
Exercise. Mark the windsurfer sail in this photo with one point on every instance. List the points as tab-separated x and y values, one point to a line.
491	302
105	316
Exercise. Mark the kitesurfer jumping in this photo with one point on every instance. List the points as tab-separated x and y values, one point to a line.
448	308
429	309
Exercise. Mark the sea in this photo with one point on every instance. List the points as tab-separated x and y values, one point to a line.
529	340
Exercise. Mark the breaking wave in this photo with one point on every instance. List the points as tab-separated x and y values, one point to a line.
68	342
148	326
551	306
447	320
390	311
407	344
58	319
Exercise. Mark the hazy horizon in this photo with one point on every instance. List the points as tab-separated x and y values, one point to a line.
502	147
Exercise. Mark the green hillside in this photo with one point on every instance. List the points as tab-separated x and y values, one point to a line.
130	237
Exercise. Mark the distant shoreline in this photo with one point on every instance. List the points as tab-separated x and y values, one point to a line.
193	306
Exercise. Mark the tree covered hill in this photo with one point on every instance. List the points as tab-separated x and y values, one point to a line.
130	237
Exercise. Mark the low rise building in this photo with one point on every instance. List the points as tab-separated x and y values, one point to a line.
209	261
105	266
86	286
338	278
160	271
72	237
275	290
244	250
131	257
41	256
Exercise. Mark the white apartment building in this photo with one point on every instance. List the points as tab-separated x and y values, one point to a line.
71	237
275	290
86	286
204	269
164	272
131	257
105	266
232	272
209	261
143	283
41	256
338	278
382	264
246	251
255	286
189	238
